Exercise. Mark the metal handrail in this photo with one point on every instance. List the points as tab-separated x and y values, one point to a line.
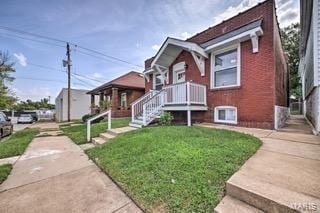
96	117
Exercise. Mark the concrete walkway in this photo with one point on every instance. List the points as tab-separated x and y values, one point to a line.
283	176
54	175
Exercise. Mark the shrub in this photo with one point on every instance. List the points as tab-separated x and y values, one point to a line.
166	119
104	105
87	116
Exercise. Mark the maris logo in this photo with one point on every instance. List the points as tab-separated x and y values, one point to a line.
312	207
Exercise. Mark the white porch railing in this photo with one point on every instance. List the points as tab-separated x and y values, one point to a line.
145	109
108	112
137	105
185	93
152	108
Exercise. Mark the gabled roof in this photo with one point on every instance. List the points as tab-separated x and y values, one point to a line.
131	79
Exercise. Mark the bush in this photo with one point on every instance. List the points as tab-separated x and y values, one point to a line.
87	116
166	119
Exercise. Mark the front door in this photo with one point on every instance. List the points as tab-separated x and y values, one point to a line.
179	91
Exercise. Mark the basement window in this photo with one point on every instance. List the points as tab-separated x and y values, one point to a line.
225	114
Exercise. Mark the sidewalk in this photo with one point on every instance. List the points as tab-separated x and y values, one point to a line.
54	175
283	176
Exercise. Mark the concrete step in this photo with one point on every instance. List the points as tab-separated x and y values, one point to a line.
87	145
229	204
106	136
135	125
121	130
98	140
265	196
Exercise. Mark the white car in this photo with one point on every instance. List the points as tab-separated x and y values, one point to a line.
25	118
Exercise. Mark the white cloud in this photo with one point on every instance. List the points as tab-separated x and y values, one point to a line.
185	35
34	93
234	10
22	60
156	47
288	12
97	75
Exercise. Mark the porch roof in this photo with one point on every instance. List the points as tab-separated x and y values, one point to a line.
170	50
130	80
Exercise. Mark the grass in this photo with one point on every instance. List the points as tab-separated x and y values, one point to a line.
176	168
17	143
4	172
78	133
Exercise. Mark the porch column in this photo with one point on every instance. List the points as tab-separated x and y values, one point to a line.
189	117
92	100
115	99
101	96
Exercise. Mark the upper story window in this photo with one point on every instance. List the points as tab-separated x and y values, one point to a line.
157	81
225	70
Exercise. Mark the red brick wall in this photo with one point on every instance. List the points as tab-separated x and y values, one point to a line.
281	74
255	98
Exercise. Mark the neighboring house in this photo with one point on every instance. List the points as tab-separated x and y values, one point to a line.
121	92
79	104
309	67
232	73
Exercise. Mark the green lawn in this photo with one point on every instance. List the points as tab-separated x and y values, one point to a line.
17	143
78	133
4	172
176	168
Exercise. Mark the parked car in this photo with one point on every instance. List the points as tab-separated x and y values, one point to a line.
6	127
25	118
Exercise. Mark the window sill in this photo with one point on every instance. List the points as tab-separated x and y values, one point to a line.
226	122
225	88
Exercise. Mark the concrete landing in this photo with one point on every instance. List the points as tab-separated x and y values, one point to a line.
284	174
55	175
230	204
121	130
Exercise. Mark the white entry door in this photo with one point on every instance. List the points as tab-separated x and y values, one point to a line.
179	91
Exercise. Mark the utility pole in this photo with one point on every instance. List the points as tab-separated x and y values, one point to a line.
69	80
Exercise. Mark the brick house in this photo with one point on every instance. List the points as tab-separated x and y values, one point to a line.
121	92
232	73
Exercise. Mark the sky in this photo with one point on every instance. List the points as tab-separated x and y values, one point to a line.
131	31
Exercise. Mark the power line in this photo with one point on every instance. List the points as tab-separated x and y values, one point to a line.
47	80
29	39
63	41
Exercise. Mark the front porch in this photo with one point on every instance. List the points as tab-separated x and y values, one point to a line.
185	96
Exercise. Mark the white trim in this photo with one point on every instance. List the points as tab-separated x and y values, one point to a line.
189	46
216	115
213	54
236	39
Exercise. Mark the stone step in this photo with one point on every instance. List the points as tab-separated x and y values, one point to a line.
229	204
135	125
106	136
121	130
88	145
265	196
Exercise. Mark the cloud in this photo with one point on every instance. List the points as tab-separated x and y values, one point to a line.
22	60
156	47
97	75
234	10
288	12
34	93
185	35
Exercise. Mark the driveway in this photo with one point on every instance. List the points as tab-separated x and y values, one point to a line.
55	175
18	127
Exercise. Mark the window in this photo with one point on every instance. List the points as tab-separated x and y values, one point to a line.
157	82
225	114
124	99
226	68
2	118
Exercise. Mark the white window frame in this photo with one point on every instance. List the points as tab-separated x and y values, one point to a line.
154	79
178	68
220	51
126	101
216	114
